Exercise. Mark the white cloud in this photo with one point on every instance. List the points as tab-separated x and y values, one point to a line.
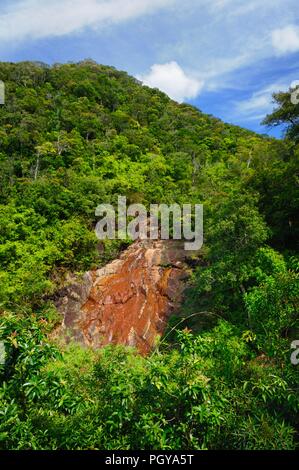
172	79
242	7
36	19
286	39
260	103
224	37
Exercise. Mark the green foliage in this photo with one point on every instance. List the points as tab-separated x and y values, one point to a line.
286	112
273	311
194	396
76	135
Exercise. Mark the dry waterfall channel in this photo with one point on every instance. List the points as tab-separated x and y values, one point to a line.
130	299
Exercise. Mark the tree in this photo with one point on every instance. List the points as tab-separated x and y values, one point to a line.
286	113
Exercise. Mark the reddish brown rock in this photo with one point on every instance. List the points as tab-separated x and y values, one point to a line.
128	301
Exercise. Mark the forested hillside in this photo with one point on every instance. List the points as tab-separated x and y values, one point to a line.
76	135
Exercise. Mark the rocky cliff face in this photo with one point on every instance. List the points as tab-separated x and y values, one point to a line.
128	301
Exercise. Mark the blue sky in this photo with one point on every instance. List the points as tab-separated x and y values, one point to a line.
226	57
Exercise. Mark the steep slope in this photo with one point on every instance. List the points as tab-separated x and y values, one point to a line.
128	301
74	136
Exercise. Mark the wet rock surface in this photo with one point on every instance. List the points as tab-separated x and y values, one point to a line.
129	300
